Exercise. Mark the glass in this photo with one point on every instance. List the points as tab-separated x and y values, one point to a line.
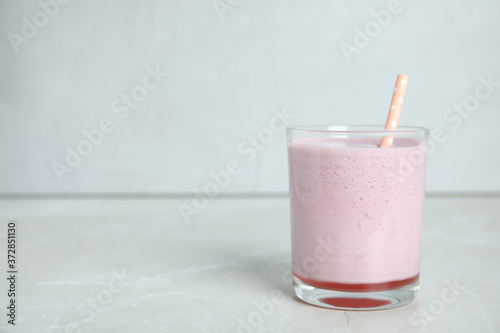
356	214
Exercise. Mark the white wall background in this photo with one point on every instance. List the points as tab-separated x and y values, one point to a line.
226	77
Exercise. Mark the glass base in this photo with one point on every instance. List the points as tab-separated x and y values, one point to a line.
343	300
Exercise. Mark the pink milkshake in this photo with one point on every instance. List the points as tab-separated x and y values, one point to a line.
356	209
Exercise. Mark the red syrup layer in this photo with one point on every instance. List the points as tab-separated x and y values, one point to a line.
360	287
355	303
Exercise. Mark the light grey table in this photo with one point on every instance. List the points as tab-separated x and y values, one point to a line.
135	265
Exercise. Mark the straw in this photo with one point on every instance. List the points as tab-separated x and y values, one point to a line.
395	109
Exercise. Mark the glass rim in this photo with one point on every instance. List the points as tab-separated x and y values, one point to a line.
360	129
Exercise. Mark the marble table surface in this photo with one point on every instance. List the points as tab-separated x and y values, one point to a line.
135	265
